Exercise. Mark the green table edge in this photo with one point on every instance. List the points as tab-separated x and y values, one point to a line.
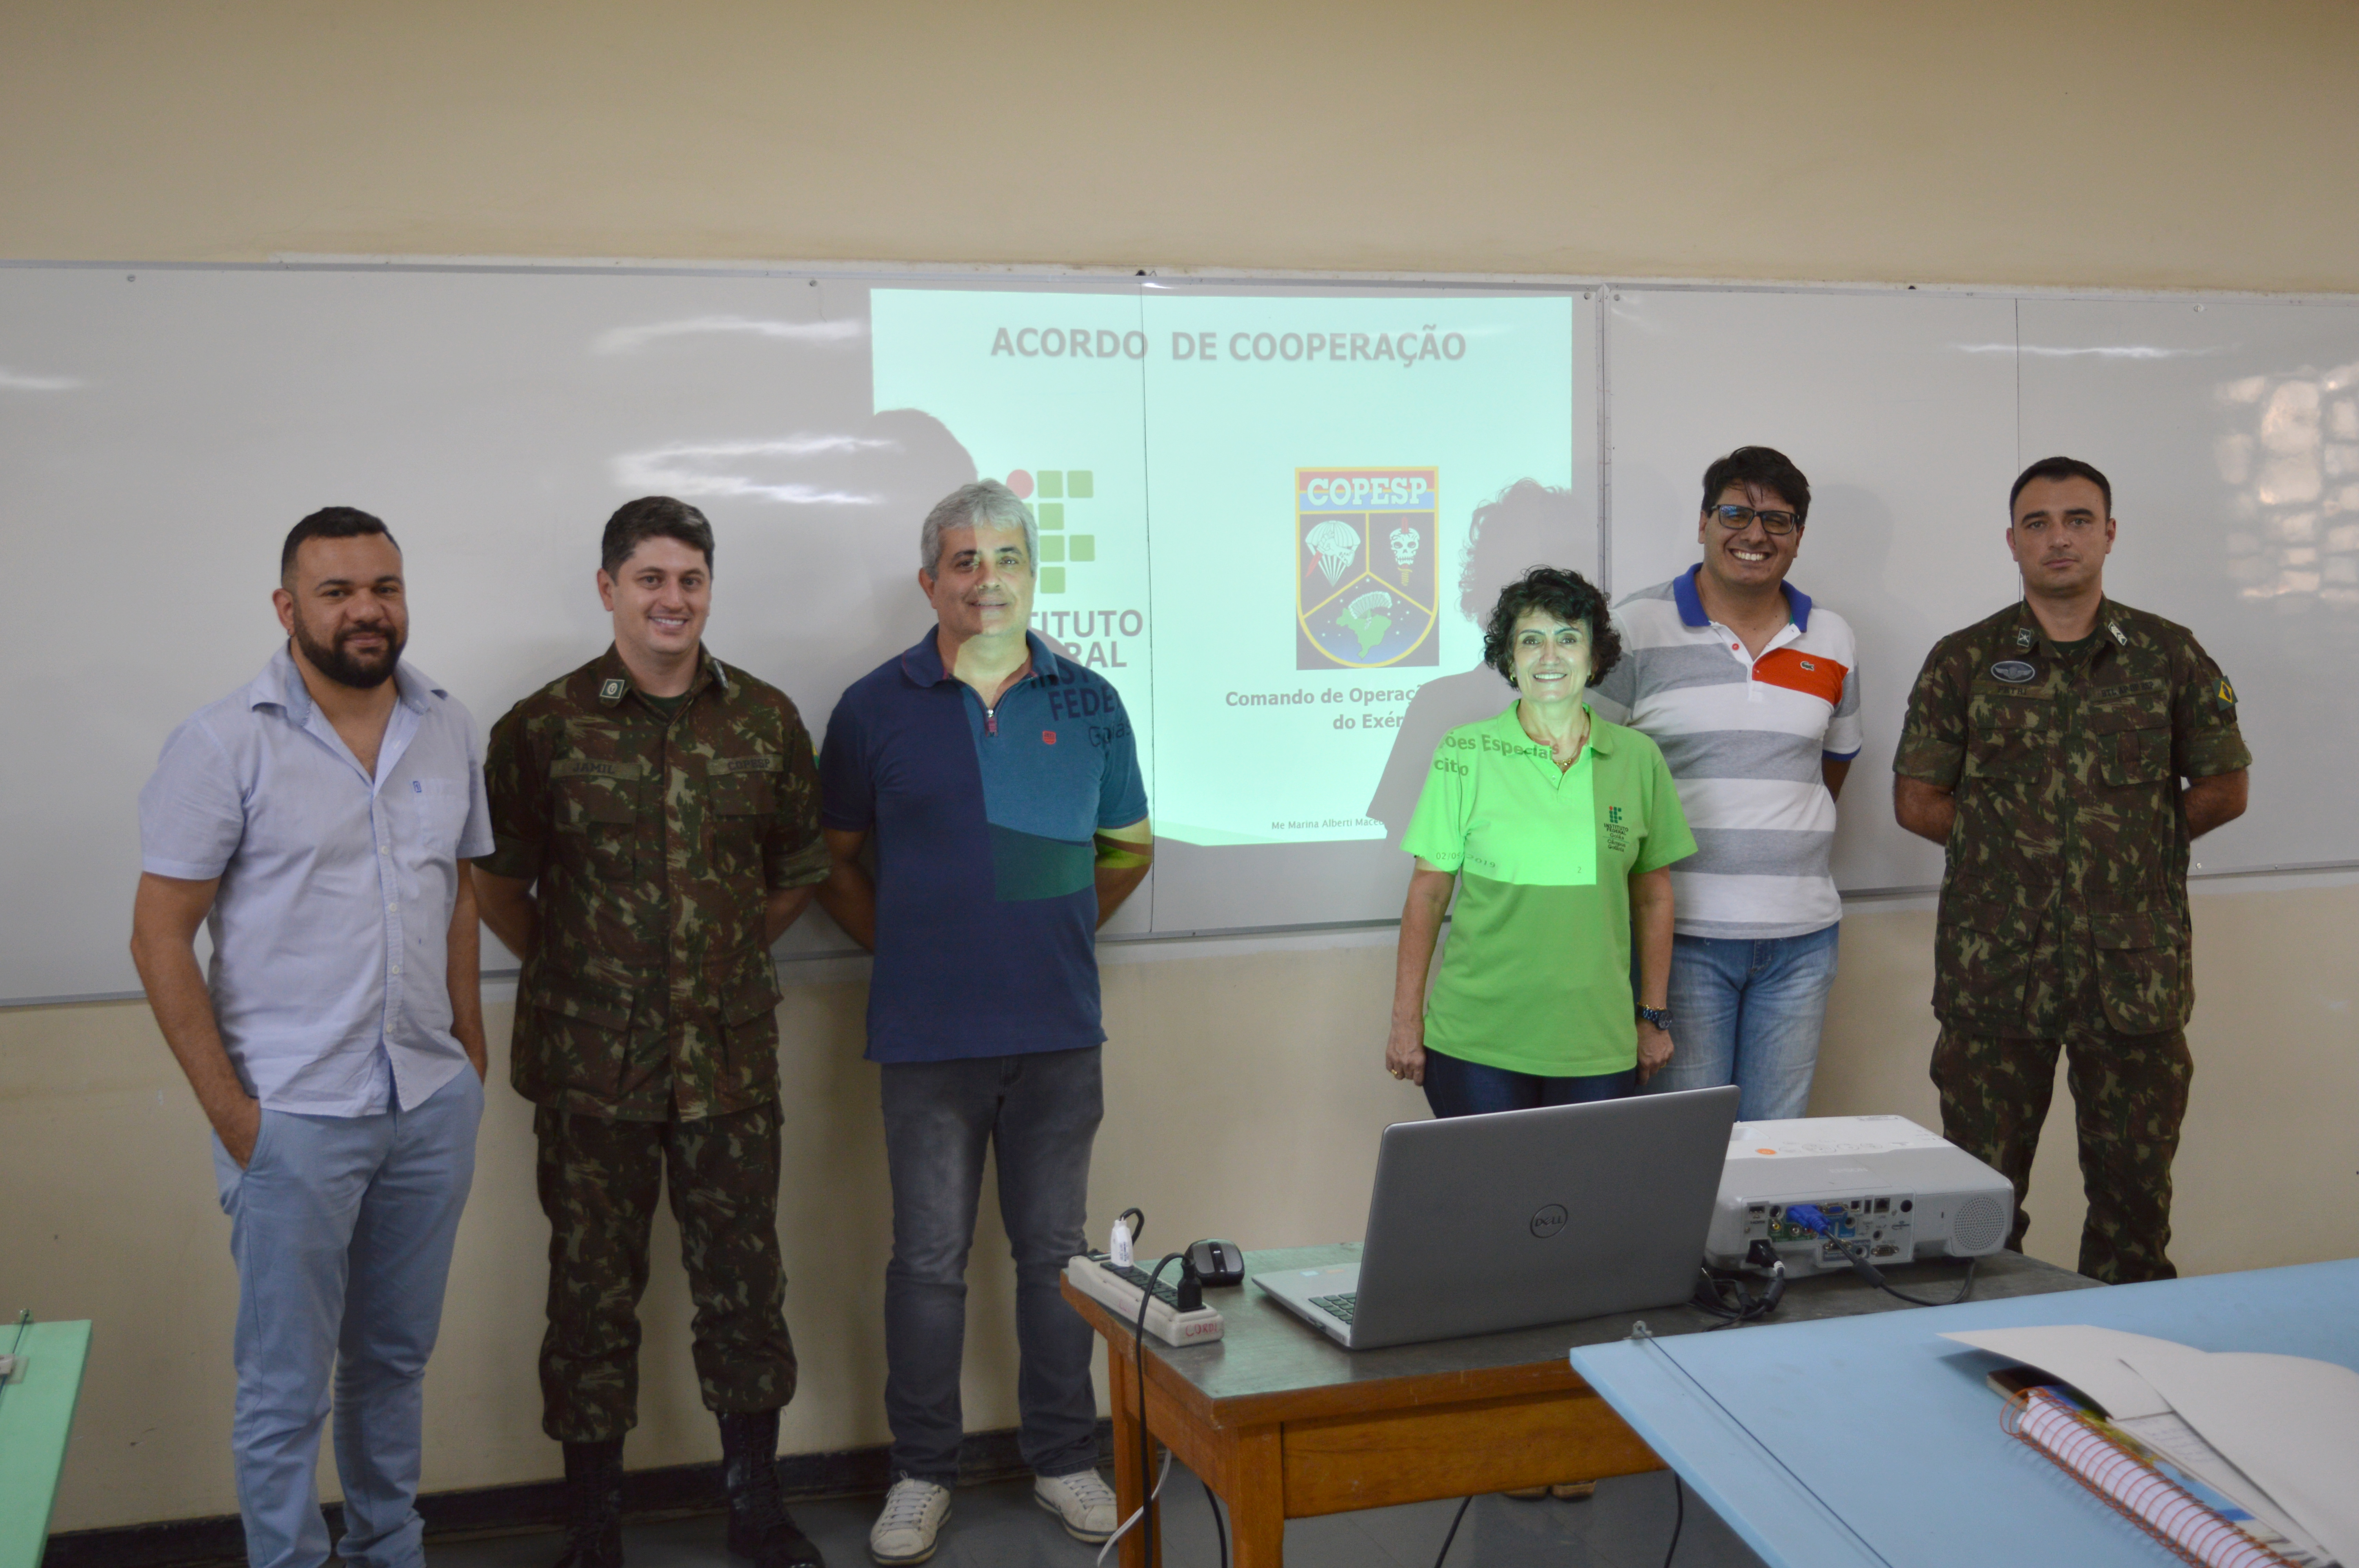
37	1413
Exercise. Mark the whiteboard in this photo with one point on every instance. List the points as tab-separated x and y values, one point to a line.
160	429
1900	411
2230	429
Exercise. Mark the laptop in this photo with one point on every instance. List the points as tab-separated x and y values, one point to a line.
1481	1224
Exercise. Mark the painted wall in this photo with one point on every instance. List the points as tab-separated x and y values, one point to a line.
2109	146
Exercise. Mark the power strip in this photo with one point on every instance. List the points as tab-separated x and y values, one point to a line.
1095	1277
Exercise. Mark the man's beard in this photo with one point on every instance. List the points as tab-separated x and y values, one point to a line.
341	667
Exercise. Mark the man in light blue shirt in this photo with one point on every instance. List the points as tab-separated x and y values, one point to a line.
319	821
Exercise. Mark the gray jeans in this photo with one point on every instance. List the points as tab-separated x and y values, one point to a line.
1038	1113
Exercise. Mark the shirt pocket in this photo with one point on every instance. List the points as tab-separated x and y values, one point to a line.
741	800
749	1030
1982	960
2132	736
601	815
580	1033
2141	964
2007	734
439	808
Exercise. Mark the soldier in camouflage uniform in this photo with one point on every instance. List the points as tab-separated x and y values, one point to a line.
2044	750
655	823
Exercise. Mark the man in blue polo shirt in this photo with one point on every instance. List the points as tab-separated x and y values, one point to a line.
1000	781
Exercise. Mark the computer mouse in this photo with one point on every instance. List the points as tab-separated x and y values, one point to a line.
1217	1262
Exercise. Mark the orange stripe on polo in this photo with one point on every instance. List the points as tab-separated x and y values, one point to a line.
1814	674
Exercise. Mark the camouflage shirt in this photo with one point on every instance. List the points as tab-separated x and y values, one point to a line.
654	843
2070	829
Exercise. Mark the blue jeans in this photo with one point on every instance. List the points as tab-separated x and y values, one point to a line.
1038	1114
341	1228
1748	1014
1456	1086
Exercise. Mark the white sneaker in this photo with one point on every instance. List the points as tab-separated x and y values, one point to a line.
1082	1501
913	1515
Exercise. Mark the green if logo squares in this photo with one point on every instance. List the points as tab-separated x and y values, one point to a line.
1052	514
1052	548
1084	545
1079	484
1052	579
1053	484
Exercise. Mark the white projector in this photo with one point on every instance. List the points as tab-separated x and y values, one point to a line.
1881	1183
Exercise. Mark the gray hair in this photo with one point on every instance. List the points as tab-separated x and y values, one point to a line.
984	504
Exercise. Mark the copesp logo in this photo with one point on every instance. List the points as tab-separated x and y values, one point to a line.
1364	566
1057	489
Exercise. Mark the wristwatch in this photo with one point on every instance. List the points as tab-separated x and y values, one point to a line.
1660	1017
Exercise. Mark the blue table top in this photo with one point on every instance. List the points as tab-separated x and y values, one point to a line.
1873	1441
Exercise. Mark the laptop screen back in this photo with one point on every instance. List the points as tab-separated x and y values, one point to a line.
1481	1224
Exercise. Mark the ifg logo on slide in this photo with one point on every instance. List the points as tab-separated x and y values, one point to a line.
1051	491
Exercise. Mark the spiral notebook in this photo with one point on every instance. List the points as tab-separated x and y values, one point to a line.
2225	1456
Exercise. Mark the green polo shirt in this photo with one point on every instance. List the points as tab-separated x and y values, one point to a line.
1535	977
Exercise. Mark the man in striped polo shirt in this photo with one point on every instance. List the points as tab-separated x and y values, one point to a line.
1753	694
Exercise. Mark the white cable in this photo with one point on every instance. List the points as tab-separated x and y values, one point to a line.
1123	1528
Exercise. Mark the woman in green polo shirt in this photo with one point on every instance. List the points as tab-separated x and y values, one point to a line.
1555	825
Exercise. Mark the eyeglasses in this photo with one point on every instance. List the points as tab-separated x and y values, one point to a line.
1736	518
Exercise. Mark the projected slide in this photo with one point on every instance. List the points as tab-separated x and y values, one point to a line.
1253	509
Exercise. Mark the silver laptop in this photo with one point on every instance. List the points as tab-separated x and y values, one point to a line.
1480	1224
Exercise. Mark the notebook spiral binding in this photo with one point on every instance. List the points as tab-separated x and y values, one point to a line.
2128	1485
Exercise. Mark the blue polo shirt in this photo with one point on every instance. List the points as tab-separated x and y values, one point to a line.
983	824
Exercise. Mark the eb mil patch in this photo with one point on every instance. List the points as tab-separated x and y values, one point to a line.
2015	672
1364	567
2227	693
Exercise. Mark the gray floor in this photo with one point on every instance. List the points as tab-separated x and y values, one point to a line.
1627	1525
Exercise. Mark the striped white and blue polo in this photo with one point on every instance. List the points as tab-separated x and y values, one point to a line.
1745	739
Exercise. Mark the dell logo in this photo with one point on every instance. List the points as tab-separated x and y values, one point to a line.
1551	1219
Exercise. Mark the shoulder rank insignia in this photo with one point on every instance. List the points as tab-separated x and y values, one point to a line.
611	691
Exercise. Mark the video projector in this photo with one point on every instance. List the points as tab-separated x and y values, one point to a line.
1881	1181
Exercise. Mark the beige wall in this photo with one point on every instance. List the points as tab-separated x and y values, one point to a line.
2126	143
2103	145
1244	1098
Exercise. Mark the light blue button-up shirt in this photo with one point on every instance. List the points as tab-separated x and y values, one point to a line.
331	927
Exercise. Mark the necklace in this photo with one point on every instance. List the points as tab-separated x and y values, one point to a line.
1565	753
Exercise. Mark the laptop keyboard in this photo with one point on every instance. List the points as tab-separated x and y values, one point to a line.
1338	1306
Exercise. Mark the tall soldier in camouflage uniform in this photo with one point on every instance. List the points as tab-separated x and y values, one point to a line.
2044	749
657	828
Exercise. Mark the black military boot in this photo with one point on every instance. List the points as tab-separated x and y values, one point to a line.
594	1504
760	1526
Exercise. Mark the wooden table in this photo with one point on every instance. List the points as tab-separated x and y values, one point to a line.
1281	1422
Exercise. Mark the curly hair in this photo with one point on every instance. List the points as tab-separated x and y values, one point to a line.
1571	598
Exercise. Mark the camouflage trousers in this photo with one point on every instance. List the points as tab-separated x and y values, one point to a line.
2129	1095
599	1182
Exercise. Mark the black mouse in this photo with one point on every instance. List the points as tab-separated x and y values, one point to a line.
1217	1262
